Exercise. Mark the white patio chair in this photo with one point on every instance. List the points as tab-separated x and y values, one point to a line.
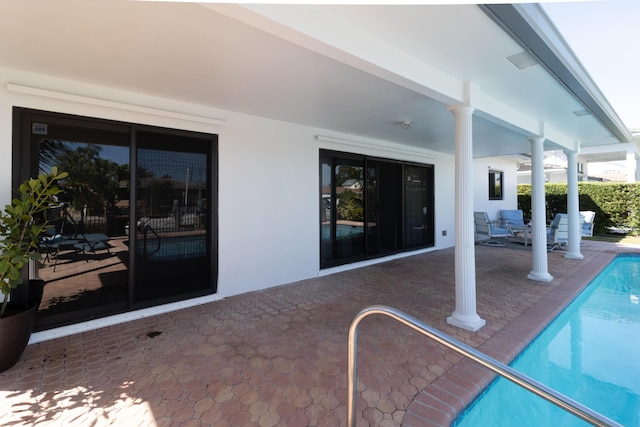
587	226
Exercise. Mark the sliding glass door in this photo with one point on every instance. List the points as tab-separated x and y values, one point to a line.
113	246
371	207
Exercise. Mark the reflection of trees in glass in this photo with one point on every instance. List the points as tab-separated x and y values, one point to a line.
93	181
50	153
344	174
350	201
350	206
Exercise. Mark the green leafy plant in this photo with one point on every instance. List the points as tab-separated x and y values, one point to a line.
20	229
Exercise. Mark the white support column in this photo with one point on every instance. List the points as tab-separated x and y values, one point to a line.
465	315
538	214
573	207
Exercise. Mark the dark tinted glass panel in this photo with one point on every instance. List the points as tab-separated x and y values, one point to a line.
343	209
384	207
85	253
418	209
495	185
172	246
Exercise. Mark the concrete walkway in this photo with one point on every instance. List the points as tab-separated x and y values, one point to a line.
278	357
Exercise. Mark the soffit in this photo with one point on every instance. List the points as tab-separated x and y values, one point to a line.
197	54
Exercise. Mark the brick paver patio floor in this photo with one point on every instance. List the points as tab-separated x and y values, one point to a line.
278	357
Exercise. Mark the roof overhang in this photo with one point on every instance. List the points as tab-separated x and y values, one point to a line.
358	70
532	28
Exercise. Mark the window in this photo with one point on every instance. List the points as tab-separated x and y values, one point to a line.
495	185
372	207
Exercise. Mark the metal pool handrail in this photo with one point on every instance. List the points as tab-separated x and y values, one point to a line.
524	381
148	227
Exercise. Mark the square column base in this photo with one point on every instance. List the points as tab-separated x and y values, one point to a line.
540	277
574	255
467	324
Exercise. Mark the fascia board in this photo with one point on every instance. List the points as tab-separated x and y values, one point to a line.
601	149
530	26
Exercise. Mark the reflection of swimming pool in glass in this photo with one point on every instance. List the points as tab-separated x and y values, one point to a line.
173	248
589	353
342	231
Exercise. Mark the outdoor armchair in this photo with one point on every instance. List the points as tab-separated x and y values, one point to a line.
587	226
490	232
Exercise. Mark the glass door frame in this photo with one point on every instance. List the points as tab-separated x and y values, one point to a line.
25	160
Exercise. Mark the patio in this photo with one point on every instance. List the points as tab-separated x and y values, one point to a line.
279	356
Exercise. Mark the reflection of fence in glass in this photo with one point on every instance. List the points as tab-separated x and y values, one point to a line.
172	185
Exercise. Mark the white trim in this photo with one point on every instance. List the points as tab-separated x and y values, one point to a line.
118	319
354	265
378	145
28	90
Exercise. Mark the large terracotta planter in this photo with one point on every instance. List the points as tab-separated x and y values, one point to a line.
15	331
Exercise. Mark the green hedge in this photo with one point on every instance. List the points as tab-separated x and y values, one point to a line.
615	204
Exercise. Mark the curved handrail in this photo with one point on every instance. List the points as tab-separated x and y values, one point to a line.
148	227
528	383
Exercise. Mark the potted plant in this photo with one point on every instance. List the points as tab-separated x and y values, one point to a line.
21	226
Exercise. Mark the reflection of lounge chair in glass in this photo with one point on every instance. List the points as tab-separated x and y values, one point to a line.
91	243
495	235
50	243
64	235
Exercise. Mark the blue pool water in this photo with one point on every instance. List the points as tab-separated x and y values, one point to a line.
173	248
590	352
342	231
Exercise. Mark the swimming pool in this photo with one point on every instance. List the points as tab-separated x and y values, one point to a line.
173	248
342	231
590	352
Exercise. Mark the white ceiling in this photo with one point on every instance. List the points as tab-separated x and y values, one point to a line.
240	59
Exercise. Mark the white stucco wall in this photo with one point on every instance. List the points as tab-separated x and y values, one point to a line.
268	174
481	202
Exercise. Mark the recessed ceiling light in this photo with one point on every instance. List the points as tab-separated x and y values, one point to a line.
523	60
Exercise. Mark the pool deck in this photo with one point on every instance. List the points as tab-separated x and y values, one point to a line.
278	357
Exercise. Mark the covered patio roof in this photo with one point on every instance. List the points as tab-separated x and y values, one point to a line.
361	70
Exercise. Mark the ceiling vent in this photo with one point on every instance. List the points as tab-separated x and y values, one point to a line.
523	60
581	113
